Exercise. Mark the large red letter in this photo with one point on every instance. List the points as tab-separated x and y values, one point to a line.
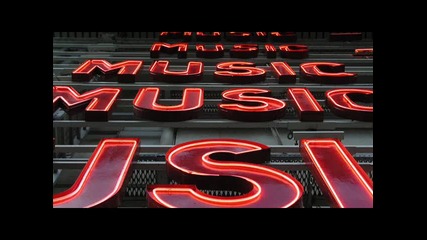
306	106
244	51
180	48
159	72
101	180
221	164
251	104
294	51
126	71
212	37
203	52
145	105
283	72
164	36
326	72
338	173
99	102
342	103
238	73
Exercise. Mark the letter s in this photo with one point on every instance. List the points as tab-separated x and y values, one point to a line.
224	164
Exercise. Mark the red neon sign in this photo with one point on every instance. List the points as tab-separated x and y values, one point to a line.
208	37
251	104
306	106
146	106
225	164
238	36
283	72
295	51
101	180
338	173
98	102
283	36
270	51
159	72
244	51
164	36
343	103
238	72
326	72
180	48
126	71
203	52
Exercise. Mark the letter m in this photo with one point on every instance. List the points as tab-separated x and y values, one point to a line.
126	71
98	102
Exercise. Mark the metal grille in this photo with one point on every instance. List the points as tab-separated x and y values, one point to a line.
139	180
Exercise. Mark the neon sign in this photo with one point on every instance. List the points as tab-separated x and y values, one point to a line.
97	103
146	106
344	103
338	173
159	72
306	106
241	104
226	164
251	104
326	72
101	180
238	72
126	71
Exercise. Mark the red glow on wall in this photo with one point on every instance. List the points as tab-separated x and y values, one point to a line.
98	102
306	106
338	173
208	37
180	48
294	51
270	51
185	36
238	73
101	181
251	104
159	72
344	103
146	106
283	72
244	51
224	164
126	71
283	36
326	72
203	52
238	36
